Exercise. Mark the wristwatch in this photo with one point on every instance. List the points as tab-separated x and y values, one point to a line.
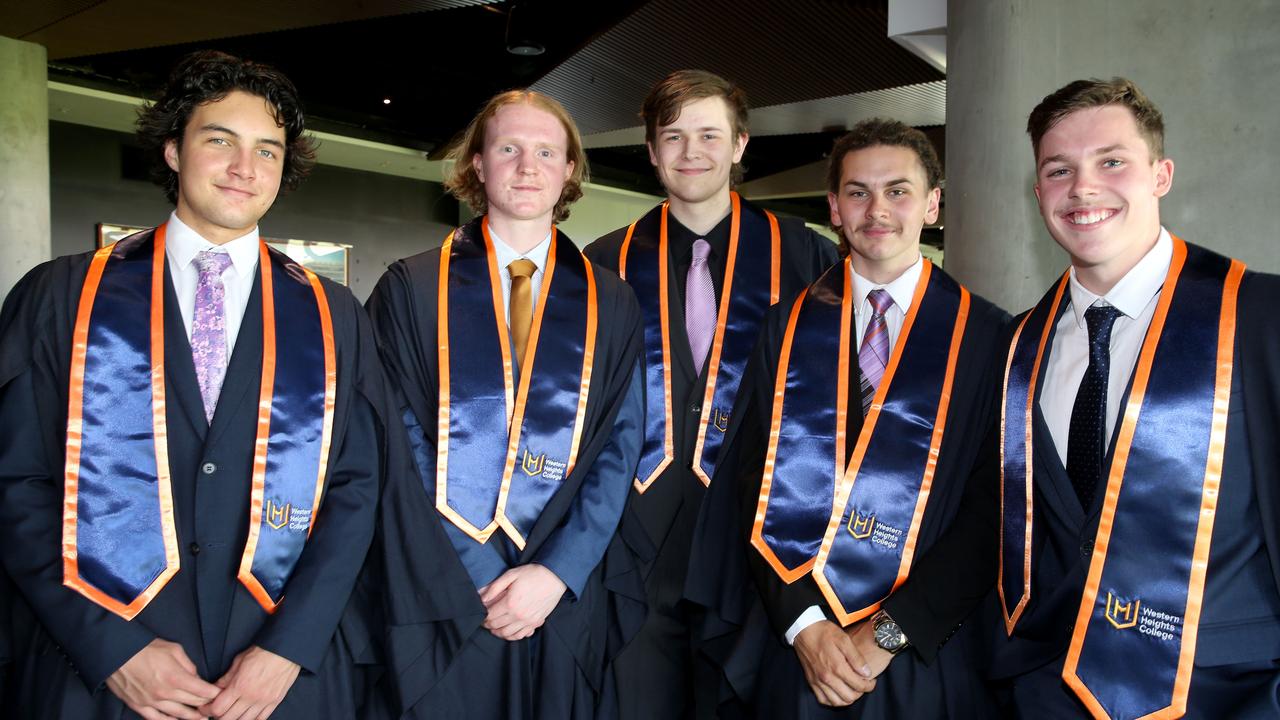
887	633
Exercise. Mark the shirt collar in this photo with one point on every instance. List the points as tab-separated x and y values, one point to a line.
506	255
681	238
1131	295
182	244
902	288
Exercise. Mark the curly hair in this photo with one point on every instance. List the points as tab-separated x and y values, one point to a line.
1092	93
464	183
668	97
879	131
209	76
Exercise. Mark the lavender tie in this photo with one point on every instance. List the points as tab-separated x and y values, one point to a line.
209	327
874	355
699	304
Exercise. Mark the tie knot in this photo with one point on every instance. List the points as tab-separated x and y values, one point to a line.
701	249
212	262
880	301
524	267
1100	318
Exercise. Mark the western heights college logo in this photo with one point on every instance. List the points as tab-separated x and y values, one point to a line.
861	526
1130	614
540	466
284	516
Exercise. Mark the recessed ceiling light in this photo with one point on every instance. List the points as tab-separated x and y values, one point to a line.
386	101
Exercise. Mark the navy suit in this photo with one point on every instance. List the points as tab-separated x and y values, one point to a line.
69	646
1237	664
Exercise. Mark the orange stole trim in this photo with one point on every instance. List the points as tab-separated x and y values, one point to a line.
159	424
789	575
668	441
266	393
588	360
516	420
775	270
722	319
266	389
864	437
1011	619
1209	493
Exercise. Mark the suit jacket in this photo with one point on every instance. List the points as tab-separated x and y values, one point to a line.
1240	618
71	645
441	660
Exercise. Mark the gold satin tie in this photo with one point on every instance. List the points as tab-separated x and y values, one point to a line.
521	305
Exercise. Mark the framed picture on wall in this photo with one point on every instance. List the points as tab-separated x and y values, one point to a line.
109	233
328	260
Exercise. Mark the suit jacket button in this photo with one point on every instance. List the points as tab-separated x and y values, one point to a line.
194	548
1086	548
695	409
208	468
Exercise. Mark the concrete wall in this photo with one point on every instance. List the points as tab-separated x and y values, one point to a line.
24	160
1212	68
382	217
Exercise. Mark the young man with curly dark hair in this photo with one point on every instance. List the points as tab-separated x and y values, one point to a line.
190	459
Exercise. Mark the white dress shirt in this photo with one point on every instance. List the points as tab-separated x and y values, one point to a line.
1135	296
902	289
181	246
506	255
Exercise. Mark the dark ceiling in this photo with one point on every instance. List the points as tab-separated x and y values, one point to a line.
437	61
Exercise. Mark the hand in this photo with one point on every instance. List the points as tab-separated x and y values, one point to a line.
863	636
160	682
520	600
254	685
836	671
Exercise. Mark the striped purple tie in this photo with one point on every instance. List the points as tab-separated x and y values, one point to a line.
699	304
874	355
209	327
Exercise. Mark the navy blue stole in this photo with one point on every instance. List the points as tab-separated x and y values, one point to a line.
502	449
1133	647
120	546
751	286
854	527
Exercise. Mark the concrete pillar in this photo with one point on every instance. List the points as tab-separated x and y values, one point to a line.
24	160
1212	68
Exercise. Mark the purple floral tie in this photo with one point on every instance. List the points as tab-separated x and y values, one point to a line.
699	304
209	327
873	358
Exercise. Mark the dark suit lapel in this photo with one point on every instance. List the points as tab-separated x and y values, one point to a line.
1054	483
180	369
244	372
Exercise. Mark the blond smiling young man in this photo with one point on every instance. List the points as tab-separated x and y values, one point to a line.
516	362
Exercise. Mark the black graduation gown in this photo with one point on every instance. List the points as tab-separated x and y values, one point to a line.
441	661
755	608
660	522
65	645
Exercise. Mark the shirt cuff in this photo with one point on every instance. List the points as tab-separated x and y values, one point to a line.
810	616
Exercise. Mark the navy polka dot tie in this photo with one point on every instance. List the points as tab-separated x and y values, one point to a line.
1085	441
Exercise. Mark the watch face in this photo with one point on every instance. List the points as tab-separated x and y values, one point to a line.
889	636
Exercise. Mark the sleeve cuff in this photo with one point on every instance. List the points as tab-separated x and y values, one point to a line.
810	616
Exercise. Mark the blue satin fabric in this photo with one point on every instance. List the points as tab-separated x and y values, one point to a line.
1129	671
802	491
1014	455
478	433
119	541
749	300
297	422
477	386
864	560
543	457
642	264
